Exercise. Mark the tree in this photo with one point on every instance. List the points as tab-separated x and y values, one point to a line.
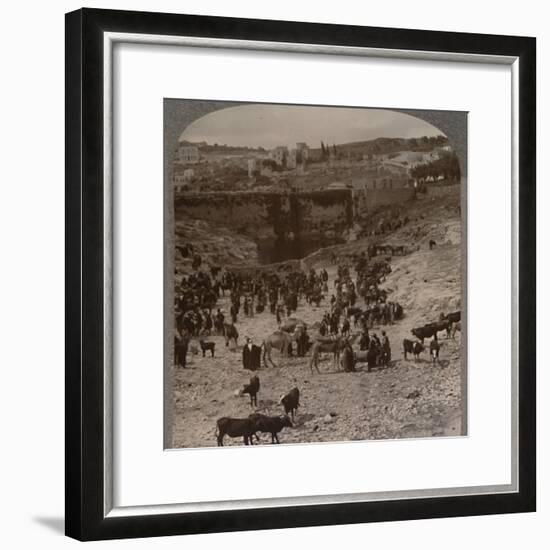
447	166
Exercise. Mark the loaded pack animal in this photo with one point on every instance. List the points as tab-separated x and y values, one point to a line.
290	324
416	348
235	427
325	345
270	424
207	346
279	340
291	401
252	389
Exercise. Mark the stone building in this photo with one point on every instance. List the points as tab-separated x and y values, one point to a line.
303	151
280	155
252	167
188	154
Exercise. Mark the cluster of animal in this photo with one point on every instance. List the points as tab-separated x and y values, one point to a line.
449	323
395	220
248	428
445	323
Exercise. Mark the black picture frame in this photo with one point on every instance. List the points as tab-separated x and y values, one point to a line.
84	455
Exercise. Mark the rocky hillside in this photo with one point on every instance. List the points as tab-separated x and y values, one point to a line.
215	244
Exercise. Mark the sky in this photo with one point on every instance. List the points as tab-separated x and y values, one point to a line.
267	126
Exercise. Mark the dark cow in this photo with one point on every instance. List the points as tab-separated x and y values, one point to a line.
252	389
206	346
416	348
427	331
424	332
451	317
291	401
235	427
441	326
270	424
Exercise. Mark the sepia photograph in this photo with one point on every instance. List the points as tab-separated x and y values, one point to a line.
315	273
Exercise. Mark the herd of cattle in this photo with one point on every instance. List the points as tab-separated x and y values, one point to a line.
247	428
449	323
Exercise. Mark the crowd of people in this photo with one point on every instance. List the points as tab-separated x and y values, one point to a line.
280	291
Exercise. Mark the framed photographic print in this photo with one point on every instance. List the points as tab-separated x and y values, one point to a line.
300	272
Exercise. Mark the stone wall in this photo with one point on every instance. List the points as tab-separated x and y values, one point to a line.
374	198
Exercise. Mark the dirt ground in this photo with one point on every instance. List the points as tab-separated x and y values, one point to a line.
403	400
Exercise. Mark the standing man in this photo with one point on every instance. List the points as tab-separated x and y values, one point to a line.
365	340
345	327
251	355
386	349
348	360
233	311
181	344
279	312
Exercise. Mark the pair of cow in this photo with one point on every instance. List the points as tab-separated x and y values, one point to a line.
445	323
248	427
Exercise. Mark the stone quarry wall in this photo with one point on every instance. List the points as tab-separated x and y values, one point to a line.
286	225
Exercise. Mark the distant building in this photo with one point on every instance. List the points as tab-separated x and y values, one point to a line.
182	180
396	167
266	170
292	159
252	167
315	155
410	159
302	151
280	155
189	154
